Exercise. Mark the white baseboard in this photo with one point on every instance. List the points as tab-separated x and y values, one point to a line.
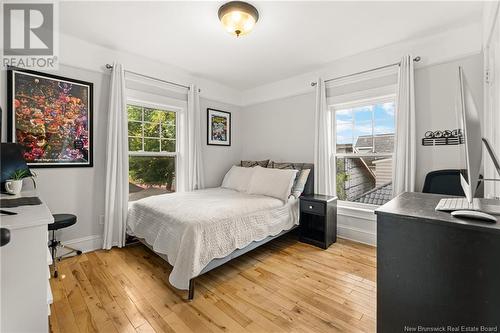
85	244
357	235
94	242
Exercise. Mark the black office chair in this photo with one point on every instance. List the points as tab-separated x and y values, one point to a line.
61	221
443	182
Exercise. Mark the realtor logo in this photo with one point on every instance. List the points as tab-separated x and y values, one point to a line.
29	37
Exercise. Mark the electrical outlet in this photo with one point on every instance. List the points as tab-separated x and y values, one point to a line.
101	219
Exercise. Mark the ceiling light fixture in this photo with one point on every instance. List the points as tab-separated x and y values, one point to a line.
238	17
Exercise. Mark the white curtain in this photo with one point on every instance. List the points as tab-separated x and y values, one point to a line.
324	181
194	162
116	196
404	164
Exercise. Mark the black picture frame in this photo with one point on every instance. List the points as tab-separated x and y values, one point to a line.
83	147
210	135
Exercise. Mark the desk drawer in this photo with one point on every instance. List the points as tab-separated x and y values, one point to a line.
312	207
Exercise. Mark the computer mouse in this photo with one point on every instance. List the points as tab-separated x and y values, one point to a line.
472	214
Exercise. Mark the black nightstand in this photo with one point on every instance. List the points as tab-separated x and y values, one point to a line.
318	220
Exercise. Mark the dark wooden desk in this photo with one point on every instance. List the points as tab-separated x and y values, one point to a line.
435	270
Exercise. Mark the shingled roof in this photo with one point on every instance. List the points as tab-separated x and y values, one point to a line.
384	143
378	196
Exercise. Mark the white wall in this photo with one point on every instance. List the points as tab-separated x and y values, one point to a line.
491	44
435	93
283	130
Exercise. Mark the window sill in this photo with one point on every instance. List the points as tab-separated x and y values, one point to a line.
356	210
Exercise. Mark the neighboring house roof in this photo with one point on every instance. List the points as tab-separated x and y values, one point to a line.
378	196
384	143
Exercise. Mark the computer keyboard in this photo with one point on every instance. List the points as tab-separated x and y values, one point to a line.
451	204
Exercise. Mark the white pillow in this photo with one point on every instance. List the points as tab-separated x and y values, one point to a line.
238	178
275	183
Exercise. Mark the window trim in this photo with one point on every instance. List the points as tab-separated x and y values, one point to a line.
178	111
363	102
334	107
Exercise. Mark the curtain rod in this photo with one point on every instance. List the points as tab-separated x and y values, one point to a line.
108	66
416	59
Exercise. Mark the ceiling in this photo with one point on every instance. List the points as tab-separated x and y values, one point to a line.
290	38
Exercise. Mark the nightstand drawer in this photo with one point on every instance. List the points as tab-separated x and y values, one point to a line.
312	207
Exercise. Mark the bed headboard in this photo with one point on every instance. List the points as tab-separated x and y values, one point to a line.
309	188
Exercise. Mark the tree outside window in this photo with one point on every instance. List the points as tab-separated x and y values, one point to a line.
152	135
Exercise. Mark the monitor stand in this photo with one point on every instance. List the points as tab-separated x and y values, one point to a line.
488	206
493	157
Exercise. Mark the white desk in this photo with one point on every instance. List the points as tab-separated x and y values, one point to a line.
25	291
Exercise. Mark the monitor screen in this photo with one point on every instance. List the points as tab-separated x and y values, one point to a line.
11	159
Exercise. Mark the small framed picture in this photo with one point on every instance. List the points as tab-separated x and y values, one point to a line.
219	128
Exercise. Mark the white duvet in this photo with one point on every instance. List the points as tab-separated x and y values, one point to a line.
193	228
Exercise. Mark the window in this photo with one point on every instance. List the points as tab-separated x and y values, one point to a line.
364	146
152	140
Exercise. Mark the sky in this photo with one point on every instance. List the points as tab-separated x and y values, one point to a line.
381	114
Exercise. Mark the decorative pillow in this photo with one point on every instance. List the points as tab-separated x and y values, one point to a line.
238	178
276	183
281	165
300	182
250	164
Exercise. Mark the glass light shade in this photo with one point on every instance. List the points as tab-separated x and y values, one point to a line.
238	18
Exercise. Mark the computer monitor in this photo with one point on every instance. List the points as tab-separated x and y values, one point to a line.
472	154
11	159
471	130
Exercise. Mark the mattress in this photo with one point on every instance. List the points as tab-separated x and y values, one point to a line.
193	228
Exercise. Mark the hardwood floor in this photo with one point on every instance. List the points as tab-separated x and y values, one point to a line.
283	286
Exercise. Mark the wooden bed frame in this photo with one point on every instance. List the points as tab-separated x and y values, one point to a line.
308	190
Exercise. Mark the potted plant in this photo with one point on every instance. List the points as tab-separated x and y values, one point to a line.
14	184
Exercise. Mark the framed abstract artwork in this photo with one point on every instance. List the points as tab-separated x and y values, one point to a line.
219	128
51	117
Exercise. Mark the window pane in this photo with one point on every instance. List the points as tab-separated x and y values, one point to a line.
170	117
168	131
152	130
366	129
156	115
150	175
344	123
384	128
168	145
384	118
366	180
134	112
134	128
151	145
134	144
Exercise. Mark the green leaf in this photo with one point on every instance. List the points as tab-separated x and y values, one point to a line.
168	131
134	128
134	144
134	112
151	145
168	145
152	130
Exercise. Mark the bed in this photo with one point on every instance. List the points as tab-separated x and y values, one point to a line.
198	231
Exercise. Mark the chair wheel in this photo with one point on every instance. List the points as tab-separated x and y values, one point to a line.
78	252
56	274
